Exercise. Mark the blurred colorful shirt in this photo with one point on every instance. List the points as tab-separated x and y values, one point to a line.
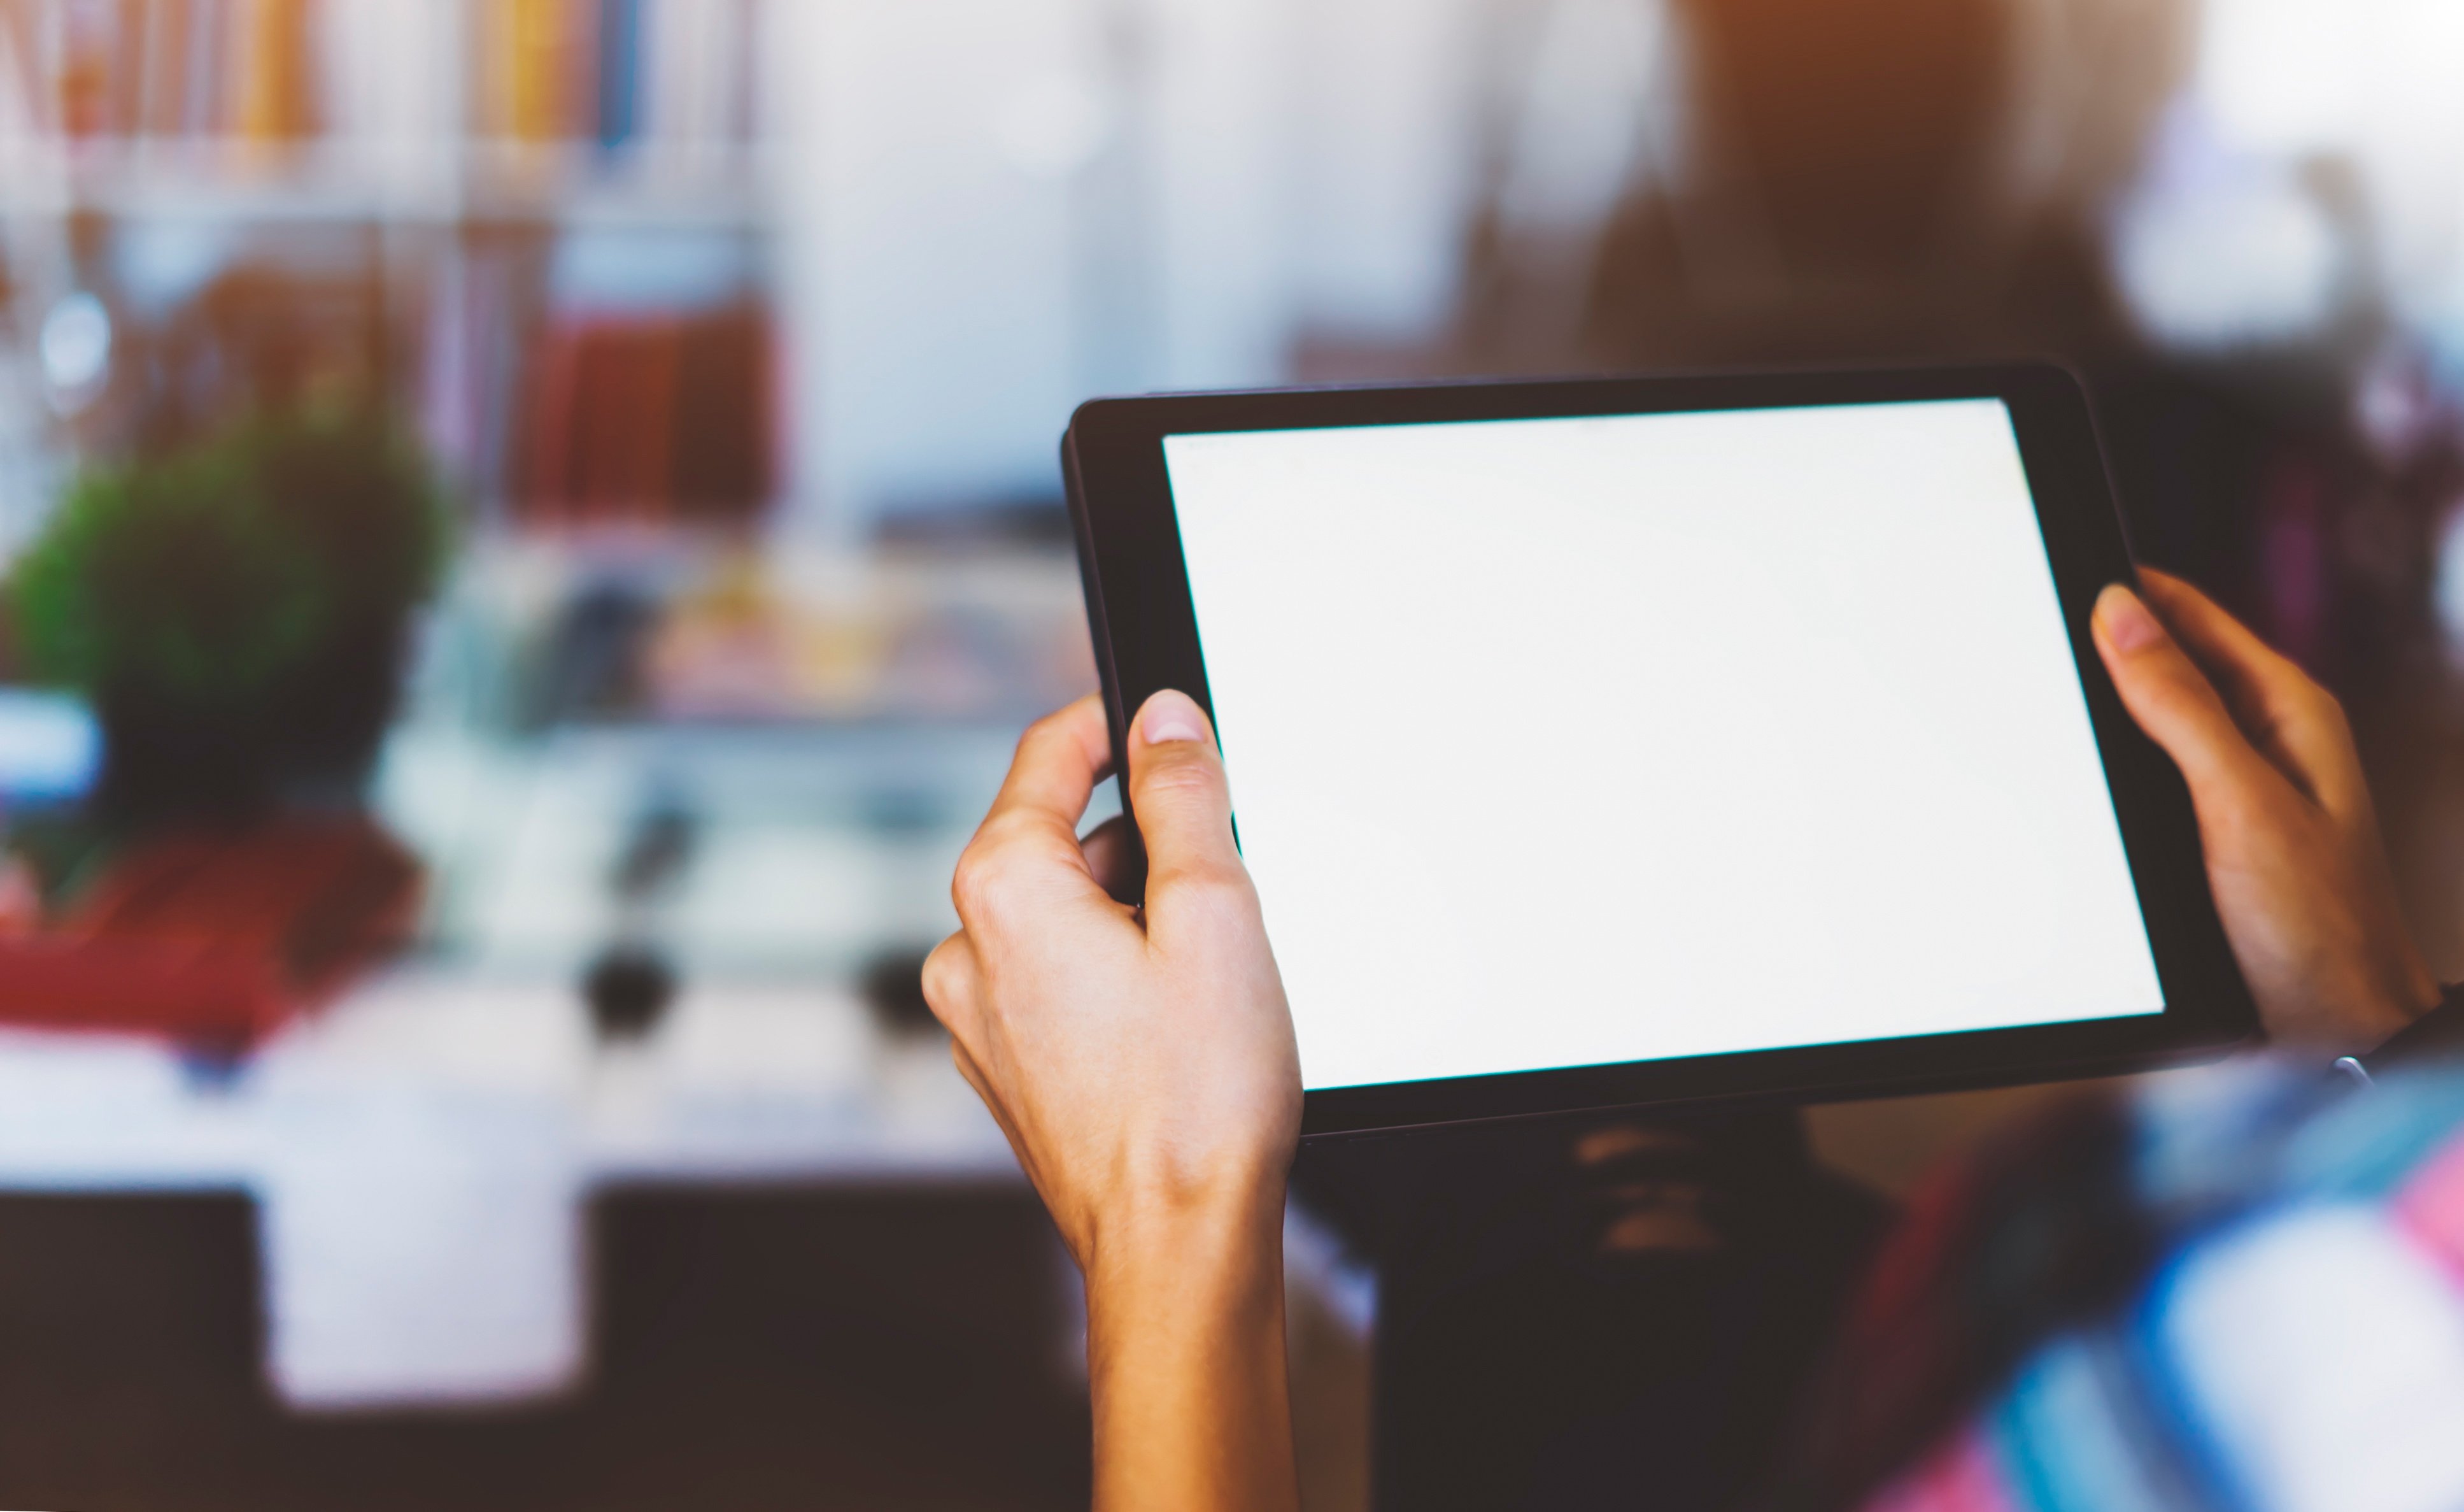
2236	1290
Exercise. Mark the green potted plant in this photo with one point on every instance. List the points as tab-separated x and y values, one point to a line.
238	612
238	615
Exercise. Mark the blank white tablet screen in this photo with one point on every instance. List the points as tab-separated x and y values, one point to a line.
1570	742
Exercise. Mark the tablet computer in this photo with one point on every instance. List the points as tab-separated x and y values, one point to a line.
1618	742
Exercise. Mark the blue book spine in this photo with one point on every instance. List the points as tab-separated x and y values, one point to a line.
620	72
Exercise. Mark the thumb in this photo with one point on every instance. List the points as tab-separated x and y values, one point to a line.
1178	791
2168	693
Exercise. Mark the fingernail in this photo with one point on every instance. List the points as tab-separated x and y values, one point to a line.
1170	717
2127	624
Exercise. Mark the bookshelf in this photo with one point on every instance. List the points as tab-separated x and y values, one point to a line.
431	163
405	98
323	182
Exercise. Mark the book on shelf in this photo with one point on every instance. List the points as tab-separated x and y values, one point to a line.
530	67
21	76
616	73
92	70
276	85
702	92
617	117
164	73
649	420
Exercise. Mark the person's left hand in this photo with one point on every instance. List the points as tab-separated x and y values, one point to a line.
2292	841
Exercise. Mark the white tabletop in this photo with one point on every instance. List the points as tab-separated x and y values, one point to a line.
421	1154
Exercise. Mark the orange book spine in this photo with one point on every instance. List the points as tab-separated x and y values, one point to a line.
275	94
539	40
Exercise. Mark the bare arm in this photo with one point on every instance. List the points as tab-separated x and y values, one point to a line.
1141	1062
1186	1357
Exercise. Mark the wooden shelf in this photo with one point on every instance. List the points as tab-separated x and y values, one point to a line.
477	181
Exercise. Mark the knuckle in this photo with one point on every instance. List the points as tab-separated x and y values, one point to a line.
1213	888
943	977
2326	708
1008	847
1183	779
1043	731
977	878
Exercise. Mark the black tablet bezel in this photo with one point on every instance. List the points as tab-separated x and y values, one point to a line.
1146	638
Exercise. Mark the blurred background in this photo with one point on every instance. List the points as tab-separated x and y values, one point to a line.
530	526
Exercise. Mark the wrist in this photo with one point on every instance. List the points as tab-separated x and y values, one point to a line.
1185	1356
1180	1219
1167	1188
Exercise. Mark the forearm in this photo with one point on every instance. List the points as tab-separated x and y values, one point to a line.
1186	1357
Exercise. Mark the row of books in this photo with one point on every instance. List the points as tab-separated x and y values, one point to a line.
616	73
556	418
164	68
636	420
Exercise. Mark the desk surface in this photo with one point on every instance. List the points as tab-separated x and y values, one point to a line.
420	1155
742	1081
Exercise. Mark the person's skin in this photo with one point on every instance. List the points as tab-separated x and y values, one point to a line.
1141	1060
2292	848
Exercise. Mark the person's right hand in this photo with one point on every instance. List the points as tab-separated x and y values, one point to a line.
1140	1059
1141	1062
2292	841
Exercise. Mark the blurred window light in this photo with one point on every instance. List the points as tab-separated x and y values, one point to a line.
2441	317
2370	84
2287	76
50	749
2219	248
2446	588
1381	98
1594	74
162	265
1052	126
2296	75
75	347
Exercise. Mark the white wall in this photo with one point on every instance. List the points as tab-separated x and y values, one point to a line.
997	208
930	318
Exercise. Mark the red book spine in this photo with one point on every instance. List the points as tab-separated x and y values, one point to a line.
544	487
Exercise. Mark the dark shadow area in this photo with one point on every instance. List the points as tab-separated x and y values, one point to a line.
757	1348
